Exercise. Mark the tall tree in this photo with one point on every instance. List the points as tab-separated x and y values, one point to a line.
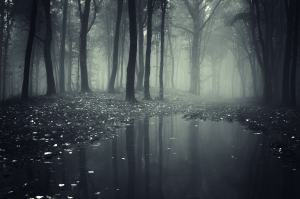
132	52
2	5
293	101
29	49
147	95
140	23
286	73
116	48
85	28
162	29
62	49
47	49
194	8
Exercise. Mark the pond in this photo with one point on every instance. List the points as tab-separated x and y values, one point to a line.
162	157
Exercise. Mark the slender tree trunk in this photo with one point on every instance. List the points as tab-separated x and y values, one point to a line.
156	67
132	52
122	58
161	86
147	95
70	54
37	72
6	53
2	5
140	75
83	43
293	101
62	48
31	70
116	48
173	64
47	50
289	7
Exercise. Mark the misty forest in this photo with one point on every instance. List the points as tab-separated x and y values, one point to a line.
172	99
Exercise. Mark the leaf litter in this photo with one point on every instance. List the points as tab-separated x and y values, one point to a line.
41	127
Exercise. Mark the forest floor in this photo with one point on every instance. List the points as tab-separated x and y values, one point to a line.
41	127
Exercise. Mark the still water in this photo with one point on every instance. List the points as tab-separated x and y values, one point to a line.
164	157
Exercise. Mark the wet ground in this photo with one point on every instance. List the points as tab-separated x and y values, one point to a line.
162	157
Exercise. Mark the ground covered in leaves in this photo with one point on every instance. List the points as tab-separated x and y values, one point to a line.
41	127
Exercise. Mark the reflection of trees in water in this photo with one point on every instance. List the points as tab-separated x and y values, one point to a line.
114	147
160	158
146	157
82	172
192	188
131	161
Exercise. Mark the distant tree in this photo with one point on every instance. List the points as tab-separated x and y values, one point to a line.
62	48
130	96
293	101
290	11
197	9
141	16
29	49
47	49
161	70
2	6
116	48
147	95
85	28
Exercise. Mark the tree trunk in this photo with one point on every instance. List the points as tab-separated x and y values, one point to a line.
147	95
83	43
161	70
62	49
172	56
47	50
2	4
122	57
132	52
6	54
37	72
289	7
31	70
116	49
140	76
293	101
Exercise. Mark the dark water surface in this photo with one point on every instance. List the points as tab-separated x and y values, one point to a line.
164	157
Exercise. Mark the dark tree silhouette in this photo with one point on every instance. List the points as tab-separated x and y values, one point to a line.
2	3
132	52
140	24
293	101
62	49
161	70
116	49
147	95
290	10
84	20
47	50
29	49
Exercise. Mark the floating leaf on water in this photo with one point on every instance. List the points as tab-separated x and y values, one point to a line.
91	171
97	193
61	185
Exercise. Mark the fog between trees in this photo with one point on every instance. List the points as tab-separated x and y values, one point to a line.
216	48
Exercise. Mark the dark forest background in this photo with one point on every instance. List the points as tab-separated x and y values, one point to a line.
213	48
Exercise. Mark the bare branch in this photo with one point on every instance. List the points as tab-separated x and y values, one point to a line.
181	27
210	15
95	13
